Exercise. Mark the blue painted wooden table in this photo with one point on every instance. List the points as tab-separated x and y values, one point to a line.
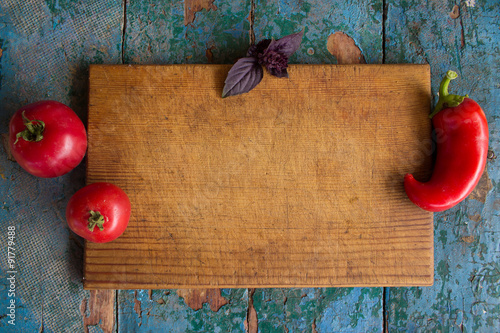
46	47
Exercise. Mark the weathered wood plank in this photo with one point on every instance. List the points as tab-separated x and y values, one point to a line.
100	308
166	311
320	309
175	32
160	33
37	50
360	21
45	49
324	20
334	32
466	294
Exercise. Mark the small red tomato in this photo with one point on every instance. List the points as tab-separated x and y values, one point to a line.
99	212
47	139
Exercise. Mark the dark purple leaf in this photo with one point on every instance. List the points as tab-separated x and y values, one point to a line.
286	45
278	72
254	49
245	74
275	62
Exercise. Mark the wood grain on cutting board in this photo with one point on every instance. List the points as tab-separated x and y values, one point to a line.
298	183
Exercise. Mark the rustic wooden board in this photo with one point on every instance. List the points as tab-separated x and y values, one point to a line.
298	183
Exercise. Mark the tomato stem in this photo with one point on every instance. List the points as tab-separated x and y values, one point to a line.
33	131
445	99
95	219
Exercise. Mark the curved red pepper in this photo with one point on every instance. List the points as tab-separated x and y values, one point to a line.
462	147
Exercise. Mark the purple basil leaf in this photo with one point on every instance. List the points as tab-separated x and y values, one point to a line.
245	74
275	62
258	48
286	45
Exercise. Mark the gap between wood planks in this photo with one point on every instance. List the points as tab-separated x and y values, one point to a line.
385	290
338	44
384	20
124	31
251	19
251	321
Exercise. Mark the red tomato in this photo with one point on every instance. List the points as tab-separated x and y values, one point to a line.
99	212
47	139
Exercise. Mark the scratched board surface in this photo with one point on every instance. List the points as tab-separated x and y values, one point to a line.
225	191
45	49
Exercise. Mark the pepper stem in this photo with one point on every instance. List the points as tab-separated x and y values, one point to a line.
95	219
445	99
33	131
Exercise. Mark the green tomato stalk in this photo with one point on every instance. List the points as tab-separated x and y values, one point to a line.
95	219
33	132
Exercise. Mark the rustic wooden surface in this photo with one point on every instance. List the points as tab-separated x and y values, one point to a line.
45	49
225	191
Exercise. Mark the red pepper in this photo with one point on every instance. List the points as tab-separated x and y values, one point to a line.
462	147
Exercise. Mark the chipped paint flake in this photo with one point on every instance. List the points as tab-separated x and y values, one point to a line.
137	307
483	188
476	218
468	239
195	298
209	54
191	7
251	321
344	49
455	12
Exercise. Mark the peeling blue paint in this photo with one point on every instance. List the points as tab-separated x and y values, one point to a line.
167	312
361	21
48	55
41	54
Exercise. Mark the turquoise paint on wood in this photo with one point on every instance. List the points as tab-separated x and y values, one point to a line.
173	44
46	54
167	312
330	309
46	49
324	309
156	34
361	20
466	293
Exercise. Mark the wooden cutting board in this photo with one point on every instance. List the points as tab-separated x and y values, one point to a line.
298	183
